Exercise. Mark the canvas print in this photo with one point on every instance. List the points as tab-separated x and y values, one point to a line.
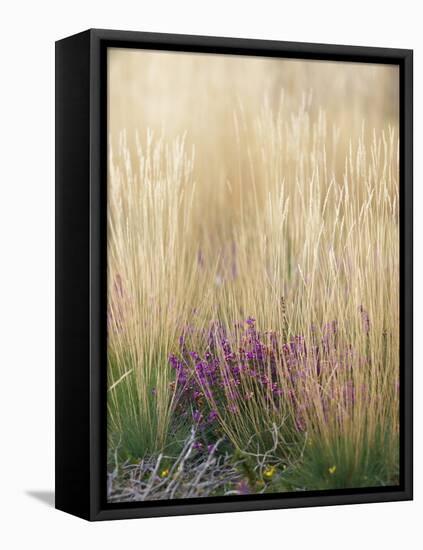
253	275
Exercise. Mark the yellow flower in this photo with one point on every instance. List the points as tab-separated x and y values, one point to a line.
332	470
164	473
269	471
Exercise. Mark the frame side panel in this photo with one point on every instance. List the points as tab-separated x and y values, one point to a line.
72	275
406	285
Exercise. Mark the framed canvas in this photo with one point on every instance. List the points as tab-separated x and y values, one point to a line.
233	274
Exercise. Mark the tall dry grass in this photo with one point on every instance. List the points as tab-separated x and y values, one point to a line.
261	188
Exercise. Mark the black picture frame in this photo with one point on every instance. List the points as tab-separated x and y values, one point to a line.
81	166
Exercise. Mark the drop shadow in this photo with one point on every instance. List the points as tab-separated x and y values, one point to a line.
46	497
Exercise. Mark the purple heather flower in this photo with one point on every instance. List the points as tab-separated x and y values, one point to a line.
349	393
243	487
318	366
299	423
174	361
197	416
330	328
286	349
364	319
118	284
212	415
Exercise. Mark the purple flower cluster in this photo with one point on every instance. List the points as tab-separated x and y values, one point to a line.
229	369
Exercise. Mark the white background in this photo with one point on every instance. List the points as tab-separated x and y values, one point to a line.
28	32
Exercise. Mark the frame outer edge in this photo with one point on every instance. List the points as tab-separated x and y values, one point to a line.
407	268
97	146
72	392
